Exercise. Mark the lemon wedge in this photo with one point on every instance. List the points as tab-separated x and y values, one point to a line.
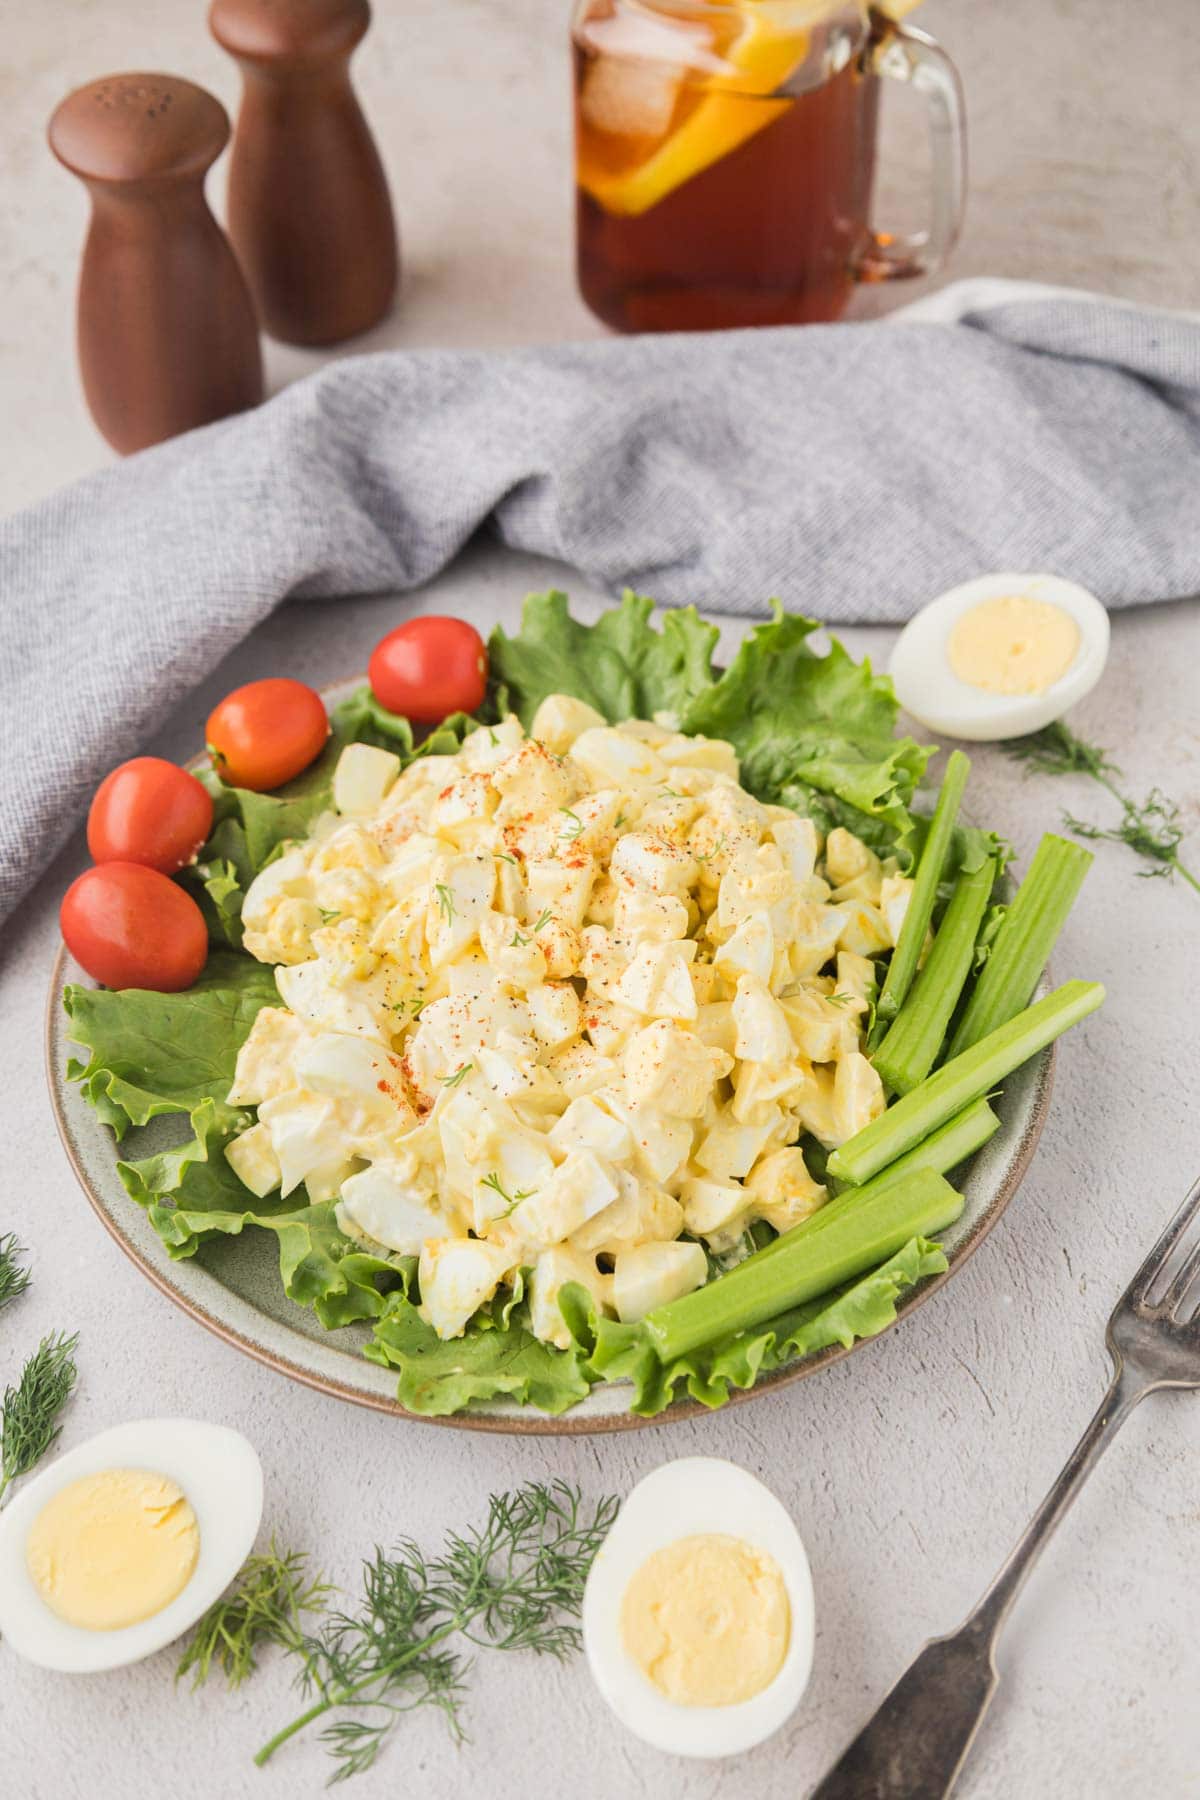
770	45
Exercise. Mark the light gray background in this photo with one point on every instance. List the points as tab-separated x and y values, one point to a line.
911	1468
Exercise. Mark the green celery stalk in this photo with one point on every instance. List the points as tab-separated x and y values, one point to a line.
815	1259
941	1151
1024	940
963	1079
906	955
911	1044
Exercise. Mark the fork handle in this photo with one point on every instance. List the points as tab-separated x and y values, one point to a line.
915	1746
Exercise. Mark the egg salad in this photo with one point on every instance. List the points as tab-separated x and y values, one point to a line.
562	1003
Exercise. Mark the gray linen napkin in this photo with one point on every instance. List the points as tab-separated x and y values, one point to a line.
853	470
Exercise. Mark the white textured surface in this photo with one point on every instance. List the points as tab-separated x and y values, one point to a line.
909	1469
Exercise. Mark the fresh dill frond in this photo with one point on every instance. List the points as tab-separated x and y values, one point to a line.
29	1420
14	1276
515	1584
463	1070
445	900
1150	827
327	916
574	826
543	920
273	1591
1151	830
512	1201
1056	750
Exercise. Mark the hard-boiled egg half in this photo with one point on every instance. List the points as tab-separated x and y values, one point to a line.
1001	656
121	1544
698	1612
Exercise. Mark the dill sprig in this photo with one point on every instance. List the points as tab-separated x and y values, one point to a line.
14	1276
515	1584
494	1182
29	1419
273	1591
1149	827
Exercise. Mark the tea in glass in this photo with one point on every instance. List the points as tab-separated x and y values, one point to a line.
725	156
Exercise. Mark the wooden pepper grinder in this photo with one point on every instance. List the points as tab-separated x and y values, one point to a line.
309	211
166	328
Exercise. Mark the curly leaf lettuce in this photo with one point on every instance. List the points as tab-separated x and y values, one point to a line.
861	1309
620	665
498	1358
165	1053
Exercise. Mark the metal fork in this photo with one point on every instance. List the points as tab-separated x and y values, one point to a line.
915	1746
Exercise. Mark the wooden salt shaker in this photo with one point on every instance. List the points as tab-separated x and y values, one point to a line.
166	328
309	211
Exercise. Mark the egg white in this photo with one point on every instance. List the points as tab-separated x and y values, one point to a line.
693	1496
927	687
221	1476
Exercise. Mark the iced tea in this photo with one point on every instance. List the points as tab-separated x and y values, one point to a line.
725	154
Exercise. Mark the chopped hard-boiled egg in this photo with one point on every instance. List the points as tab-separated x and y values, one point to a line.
563	1003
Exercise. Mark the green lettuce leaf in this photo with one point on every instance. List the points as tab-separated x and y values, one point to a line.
319	1266
502	1360
815	732
165	1053
861	1309
217	888
620	665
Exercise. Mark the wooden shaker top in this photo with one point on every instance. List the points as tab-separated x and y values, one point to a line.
289	31
138	127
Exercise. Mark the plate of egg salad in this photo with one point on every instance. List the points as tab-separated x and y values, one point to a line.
570	1029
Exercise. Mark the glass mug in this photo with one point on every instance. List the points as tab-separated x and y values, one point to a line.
725	154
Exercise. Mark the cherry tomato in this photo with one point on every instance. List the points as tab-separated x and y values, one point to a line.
149	811
130	926
430	667
266	732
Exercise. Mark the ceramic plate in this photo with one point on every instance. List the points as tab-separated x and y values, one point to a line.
232	1285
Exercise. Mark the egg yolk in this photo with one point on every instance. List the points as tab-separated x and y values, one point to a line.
1013	645
114	1548
707	1620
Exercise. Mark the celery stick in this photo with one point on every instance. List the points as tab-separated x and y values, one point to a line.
906	955
941	1151
1024	940
962	1079
913	1040
865	1235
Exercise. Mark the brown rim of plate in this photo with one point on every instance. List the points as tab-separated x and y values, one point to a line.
542	1424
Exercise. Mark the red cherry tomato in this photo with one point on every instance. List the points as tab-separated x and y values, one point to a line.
149	811
130	926
266	732
428	668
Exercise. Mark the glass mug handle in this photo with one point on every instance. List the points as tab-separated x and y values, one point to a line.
904	54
